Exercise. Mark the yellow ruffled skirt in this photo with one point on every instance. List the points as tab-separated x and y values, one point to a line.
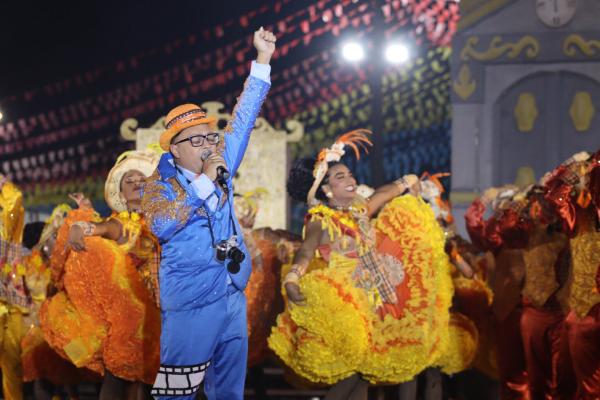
462	345
339	331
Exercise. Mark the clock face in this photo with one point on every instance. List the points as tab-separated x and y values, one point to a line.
555	13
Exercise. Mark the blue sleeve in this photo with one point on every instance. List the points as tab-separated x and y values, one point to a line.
168	210
237	132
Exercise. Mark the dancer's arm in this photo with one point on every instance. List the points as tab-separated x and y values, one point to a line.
387	192
110	229
458	260
303	256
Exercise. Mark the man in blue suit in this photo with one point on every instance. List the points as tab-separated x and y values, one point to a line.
204	263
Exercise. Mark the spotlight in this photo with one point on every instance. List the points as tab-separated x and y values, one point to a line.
396	53
353	51
1	115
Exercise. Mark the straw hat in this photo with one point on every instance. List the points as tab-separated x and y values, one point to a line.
182	117
144	161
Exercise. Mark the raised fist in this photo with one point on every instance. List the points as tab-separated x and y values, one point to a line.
264	42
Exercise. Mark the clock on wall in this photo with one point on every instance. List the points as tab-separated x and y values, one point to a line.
555	13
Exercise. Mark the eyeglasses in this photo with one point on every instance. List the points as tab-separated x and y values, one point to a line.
198	140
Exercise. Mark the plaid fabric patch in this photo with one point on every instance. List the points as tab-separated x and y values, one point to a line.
10	252
374	264
12	286
13	292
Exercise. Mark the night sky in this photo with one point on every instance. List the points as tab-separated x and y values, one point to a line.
43	41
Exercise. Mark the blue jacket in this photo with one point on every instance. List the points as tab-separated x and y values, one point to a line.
190	276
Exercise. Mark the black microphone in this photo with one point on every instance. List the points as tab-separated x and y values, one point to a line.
222	172
222	176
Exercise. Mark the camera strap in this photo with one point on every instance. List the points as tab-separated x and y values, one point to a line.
209	218
208	213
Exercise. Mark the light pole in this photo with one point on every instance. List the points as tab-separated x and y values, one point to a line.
394	52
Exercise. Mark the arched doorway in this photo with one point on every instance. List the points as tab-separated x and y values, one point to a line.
543	119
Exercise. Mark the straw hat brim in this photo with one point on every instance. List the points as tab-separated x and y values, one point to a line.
143	161
169	134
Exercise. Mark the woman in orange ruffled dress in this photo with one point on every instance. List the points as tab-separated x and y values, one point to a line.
367	301
106	318
41	364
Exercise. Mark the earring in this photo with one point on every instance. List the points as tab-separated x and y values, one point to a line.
329	195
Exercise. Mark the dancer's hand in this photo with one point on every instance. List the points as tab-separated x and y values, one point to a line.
75	240
264	42
293	293
413	184
81	200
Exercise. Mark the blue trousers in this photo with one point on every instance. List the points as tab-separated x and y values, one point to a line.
208	343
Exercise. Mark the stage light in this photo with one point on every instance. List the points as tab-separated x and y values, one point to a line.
397	53
353	51
1	115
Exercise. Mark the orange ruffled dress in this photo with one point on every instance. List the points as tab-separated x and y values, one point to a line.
105	317
38	358
352	322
